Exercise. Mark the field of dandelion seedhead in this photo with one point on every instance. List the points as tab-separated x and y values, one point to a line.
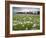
26	22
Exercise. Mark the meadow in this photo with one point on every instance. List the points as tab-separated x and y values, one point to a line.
26	22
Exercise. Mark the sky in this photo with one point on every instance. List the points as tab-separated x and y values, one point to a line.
25	9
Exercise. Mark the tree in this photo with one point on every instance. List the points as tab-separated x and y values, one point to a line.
38	12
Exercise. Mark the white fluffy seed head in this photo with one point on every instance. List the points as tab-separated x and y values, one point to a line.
28	22
34	25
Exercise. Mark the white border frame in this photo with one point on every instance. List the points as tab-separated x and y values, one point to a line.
26	31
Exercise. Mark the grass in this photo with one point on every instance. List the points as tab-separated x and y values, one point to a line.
25	22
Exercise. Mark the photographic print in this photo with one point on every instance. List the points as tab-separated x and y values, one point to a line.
24	18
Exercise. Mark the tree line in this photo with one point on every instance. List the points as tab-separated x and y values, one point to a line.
35	13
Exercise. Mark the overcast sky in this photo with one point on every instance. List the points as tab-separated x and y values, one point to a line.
25	9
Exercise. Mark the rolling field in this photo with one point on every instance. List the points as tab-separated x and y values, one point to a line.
26	22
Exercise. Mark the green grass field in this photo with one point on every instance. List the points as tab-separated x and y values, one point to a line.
25	22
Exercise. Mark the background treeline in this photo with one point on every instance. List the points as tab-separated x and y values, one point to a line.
36	12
